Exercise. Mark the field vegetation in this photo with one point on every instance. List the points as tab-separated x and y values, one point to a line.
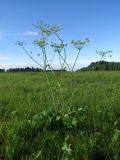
83	126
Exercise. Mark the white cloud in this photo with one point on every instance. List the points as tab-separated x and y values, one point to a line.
6	58
30	33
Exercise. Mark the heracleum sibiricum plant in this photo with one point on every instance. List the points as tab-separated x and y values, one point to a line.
102	54
46	32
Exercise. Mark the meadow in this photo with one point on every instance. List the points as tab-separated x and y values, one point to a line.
81	126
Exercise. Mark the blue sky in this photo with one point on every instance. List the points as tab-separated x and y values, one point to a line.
98	20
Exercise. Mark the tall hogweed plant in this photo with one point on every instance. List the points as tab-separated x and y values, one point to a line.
47	33
102	55
59	124
59	48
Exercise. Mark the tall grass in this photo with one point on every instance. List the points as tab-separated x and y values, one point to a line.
83	126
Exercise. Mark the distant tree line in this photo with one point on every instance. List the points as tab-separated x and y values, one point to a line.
28	69
102	66
2	70
94	66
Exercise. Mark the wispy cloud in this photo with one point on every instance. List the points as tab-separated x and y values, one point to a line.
6	58
30	33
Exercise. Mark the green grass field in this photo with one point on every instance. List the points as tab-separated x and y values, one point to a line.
84	126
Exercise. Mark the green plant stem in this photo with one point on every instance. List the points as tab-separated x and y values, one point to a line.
47	77
61	66
63	49
65	62
44	53
98	63
76	60
32	57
